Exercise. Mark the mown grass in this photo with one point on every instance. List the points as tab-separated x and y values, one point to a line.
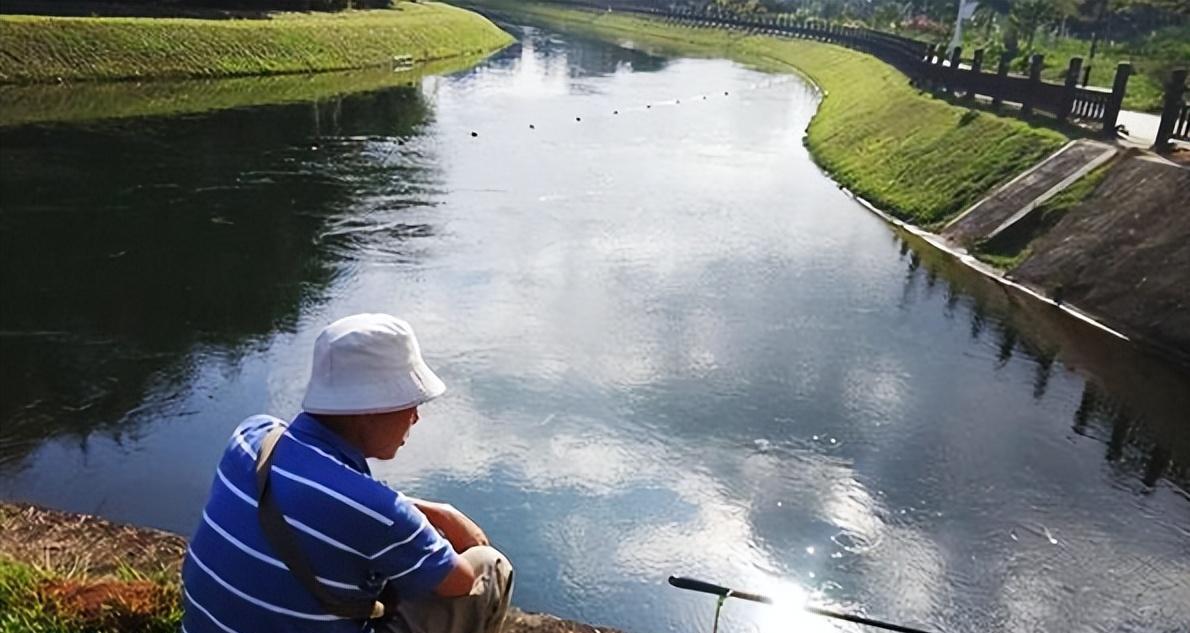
33	600
40	49
1011	247
918	157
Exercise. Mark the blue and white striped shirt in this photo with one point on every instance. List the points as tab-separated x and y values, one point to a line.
356	532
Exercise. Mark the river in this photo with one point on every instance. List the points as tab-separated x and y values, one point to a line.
672	346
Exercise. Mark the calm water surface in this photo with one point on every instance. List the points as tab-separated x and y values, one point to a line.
672	346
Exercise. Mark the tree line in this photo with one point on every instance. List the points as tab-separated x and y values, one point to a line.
1017	21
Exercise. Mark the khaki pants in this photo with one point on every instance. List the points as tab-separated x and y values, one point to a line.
481	611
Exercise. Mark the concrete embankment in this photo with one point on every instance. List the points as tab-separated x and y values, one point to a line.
45	49
1122	253
69	573
1079	222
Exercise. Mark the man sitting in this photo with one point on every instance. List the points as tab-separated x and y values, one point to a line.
297	536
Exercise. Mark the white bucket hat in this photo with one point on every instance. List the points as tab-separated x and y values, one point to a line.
368	363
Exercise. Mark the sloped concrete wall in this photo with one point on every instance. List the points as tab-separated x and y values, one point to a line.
1123	254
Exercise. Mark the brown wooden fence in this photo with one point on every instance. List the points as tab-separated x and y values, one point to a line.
1175	116
930	66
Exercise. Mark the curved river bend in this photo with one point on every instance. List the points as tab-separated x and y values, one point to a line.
672	346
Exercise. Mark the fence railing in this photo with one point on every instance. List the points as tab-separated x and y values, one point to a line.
1175	116
929	65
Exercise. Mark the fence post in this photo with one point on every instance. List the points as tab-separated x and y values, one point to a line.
976	68
1069	88
1112	113
1173	107
952	76
1001	74
1035	62
927	67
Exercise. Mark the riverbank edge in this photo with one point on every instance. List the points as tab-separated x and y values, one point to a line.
844	158
111	100
77	569
49	49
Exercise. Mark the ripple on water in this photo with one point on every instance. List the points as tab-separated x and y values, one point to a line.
854	542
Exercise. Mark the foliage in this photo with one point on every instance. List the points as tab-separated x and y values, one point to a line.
1153	58
47	49
1025	16
919	157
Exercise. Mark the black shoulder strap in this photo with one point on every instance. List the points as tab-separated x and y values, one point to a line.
285	543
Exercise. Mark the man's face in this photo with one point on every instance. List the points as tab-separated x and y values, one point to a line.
391	430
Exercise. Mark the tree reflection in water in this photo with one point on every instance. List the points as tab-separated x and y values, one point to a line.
205	232
1141	425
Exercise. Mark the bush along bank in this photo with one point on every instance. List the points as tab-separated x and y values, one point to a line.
43	49
919	157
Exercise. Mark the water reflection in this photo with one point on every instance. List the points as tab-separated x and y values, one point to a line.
672	347
1148	424
131	248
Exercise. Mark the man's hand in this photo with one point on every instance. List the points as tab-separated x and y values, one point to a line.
456	527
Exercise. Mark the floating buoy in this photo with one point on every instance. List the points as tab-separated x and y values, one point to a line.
677	101
531	127
474	134
615	111
704	97
724	93
648	106
578	118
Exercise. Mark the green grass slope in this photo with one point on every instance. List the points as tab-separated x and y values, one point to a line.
39	49
916	156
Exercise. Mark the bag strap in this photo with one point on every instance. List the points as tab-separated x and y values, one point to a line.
285	544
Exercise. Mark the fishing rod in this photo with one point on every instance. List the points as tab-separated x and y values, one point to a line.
724	593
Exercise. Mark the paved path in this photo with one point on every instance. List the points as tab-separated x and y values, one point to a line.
1142	129
1020	196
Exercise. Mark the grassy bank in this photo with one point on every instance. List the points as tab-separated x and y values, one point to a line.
62	572
33	600
70	573
918	157
40	49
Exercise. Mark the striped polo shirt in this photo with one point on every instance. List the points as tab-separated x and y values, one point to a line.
356	533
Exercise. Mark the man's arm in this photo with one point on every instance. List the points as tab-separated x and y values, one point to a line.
459	581
456	527
462	533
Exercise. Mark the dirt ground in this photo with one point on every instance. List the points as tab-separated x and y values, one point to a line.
81	546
